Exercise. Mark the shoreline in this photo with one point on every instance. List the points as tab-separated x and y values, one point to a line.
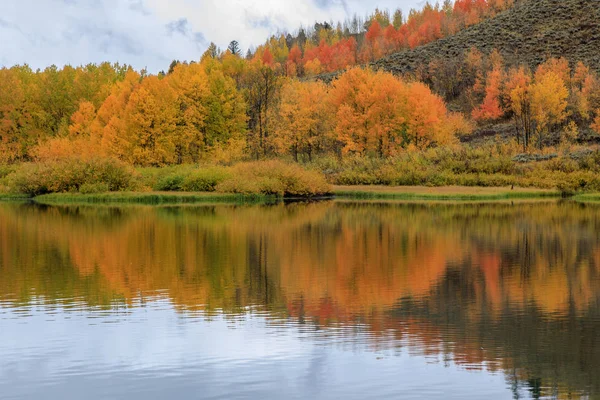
441	193
153	198
350	193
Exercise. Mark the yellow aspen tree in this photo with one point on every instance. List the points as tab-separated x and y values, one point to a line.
548	102
303	126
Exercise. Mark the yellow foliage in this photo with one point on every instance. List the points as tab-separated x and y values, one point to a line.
64	147
303	123
570	133
313	67
228	153
548	100
274	178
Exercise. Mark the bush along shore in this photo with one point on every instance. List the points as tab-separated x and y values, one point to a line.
109	180
490	172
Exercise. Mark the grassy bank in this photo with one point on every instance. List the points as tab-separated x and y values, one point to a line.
493	172
440	193
456	193
14	196
588	198
153	198
570	169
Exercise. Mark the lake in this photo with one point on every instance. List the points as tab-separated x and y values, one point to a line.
321	300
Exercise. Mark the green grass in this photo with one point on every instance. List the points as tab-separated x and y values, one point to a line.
152	198
588	198
345	193
14	196
499	195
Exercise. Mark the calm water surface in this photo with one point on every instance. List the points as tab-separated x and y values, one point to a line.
324	301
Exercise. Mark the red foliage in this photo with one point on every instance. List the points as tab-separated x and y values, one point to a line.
267	57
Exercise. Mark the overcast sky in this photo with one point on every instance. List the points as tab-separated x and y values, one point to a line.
151	33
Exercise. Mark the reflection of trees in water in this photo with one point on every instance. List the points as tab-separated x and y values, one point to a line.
511	286
553	352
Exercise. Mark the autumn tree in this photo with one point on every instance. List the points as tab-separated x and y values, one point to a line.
261	86
183	117
558	66
379	114
490	108
233	67
190	87
428	120
446	77
370	112
294	63
548	102
14	117
382	17
373	46
225	107
585	91
110	117
303	120
82	120
148	137
517	97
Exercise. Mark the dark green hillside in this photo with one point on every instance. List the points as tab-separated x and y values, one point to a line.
529	33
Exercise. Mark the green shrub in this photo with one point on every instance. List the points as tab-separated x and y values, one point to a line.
70	175
93	188
164	178
205	180
170	183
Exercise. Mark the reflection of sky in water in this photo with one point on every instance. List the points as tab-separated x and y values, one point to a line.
155	352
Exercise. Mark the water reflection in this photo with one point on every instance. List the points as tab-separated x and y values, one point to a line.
507	294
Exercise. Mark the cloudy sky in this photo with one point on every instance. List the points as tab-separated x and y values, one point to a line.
151	33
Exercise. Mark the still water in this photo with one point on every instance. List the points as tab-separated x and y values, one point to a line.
322	300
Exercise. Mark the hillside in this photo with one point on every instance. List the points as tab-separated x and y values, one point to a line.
528	33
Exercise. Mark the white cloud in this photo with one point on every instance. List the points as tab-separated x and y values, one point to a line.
151	33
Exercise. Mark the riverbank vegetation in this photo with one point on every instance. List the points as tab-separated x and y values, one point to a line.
101	175
261	125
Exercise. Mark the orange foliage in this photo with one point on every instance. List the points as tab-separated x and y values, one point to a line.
82	120
378	113
490	109
329	58
583	86
428	119
370	111
381	38
267	57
